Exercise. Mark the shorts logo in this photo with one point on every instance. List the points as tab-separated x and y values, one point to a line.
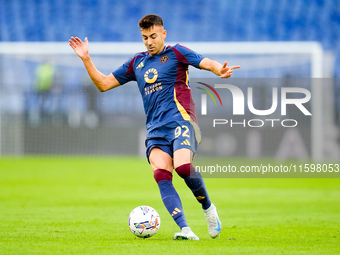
164	59
151	75
185	142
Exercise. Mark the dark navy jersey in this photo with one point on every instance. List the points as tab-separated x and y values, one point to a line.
163	82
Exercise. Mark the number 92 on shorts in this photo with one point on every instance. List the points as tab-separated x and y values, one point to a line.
173	136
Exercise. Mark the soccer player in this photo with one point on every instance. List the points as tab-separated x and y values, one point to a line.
172	131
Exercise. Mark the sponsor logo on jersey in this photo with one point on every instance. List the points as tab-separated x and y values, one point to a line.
153	88
151	75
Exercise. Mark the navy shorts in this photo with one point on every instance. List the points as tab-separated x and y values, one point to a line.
173	136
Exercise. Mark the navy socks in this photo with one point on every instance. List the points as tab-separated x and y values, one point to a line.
195	182
170	196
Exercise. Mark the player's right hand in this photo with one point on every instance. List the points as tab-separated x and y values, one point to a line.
82	49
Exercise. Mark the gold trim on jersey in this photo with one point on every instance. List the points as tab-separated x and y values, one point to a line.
180	108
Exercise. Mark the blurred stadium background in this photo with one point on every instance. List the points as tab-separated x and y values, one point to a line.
48	105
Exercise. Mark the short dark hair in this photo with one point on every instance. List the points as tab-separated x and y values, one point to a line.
150	20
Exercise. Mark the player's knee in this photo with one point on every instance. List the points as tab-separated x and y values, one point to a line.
185	170
162	175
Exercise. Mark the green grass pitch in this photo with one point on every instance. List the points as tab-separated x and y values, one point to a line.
70	205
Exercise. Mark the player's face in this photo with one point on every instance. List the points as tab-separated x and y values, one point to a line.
153	39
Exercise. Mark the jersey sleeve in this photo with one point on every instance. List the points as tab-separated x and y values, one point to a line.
125	73
190	57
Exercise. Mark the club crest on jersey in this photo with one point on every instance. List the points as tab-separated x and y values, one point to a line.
164	59
151	75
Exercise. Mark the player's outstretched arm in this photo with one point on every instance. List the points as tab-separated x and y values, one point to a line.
102	81
223	71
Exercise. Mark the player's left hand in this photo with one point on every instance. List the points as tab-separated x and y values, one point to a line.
227	71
